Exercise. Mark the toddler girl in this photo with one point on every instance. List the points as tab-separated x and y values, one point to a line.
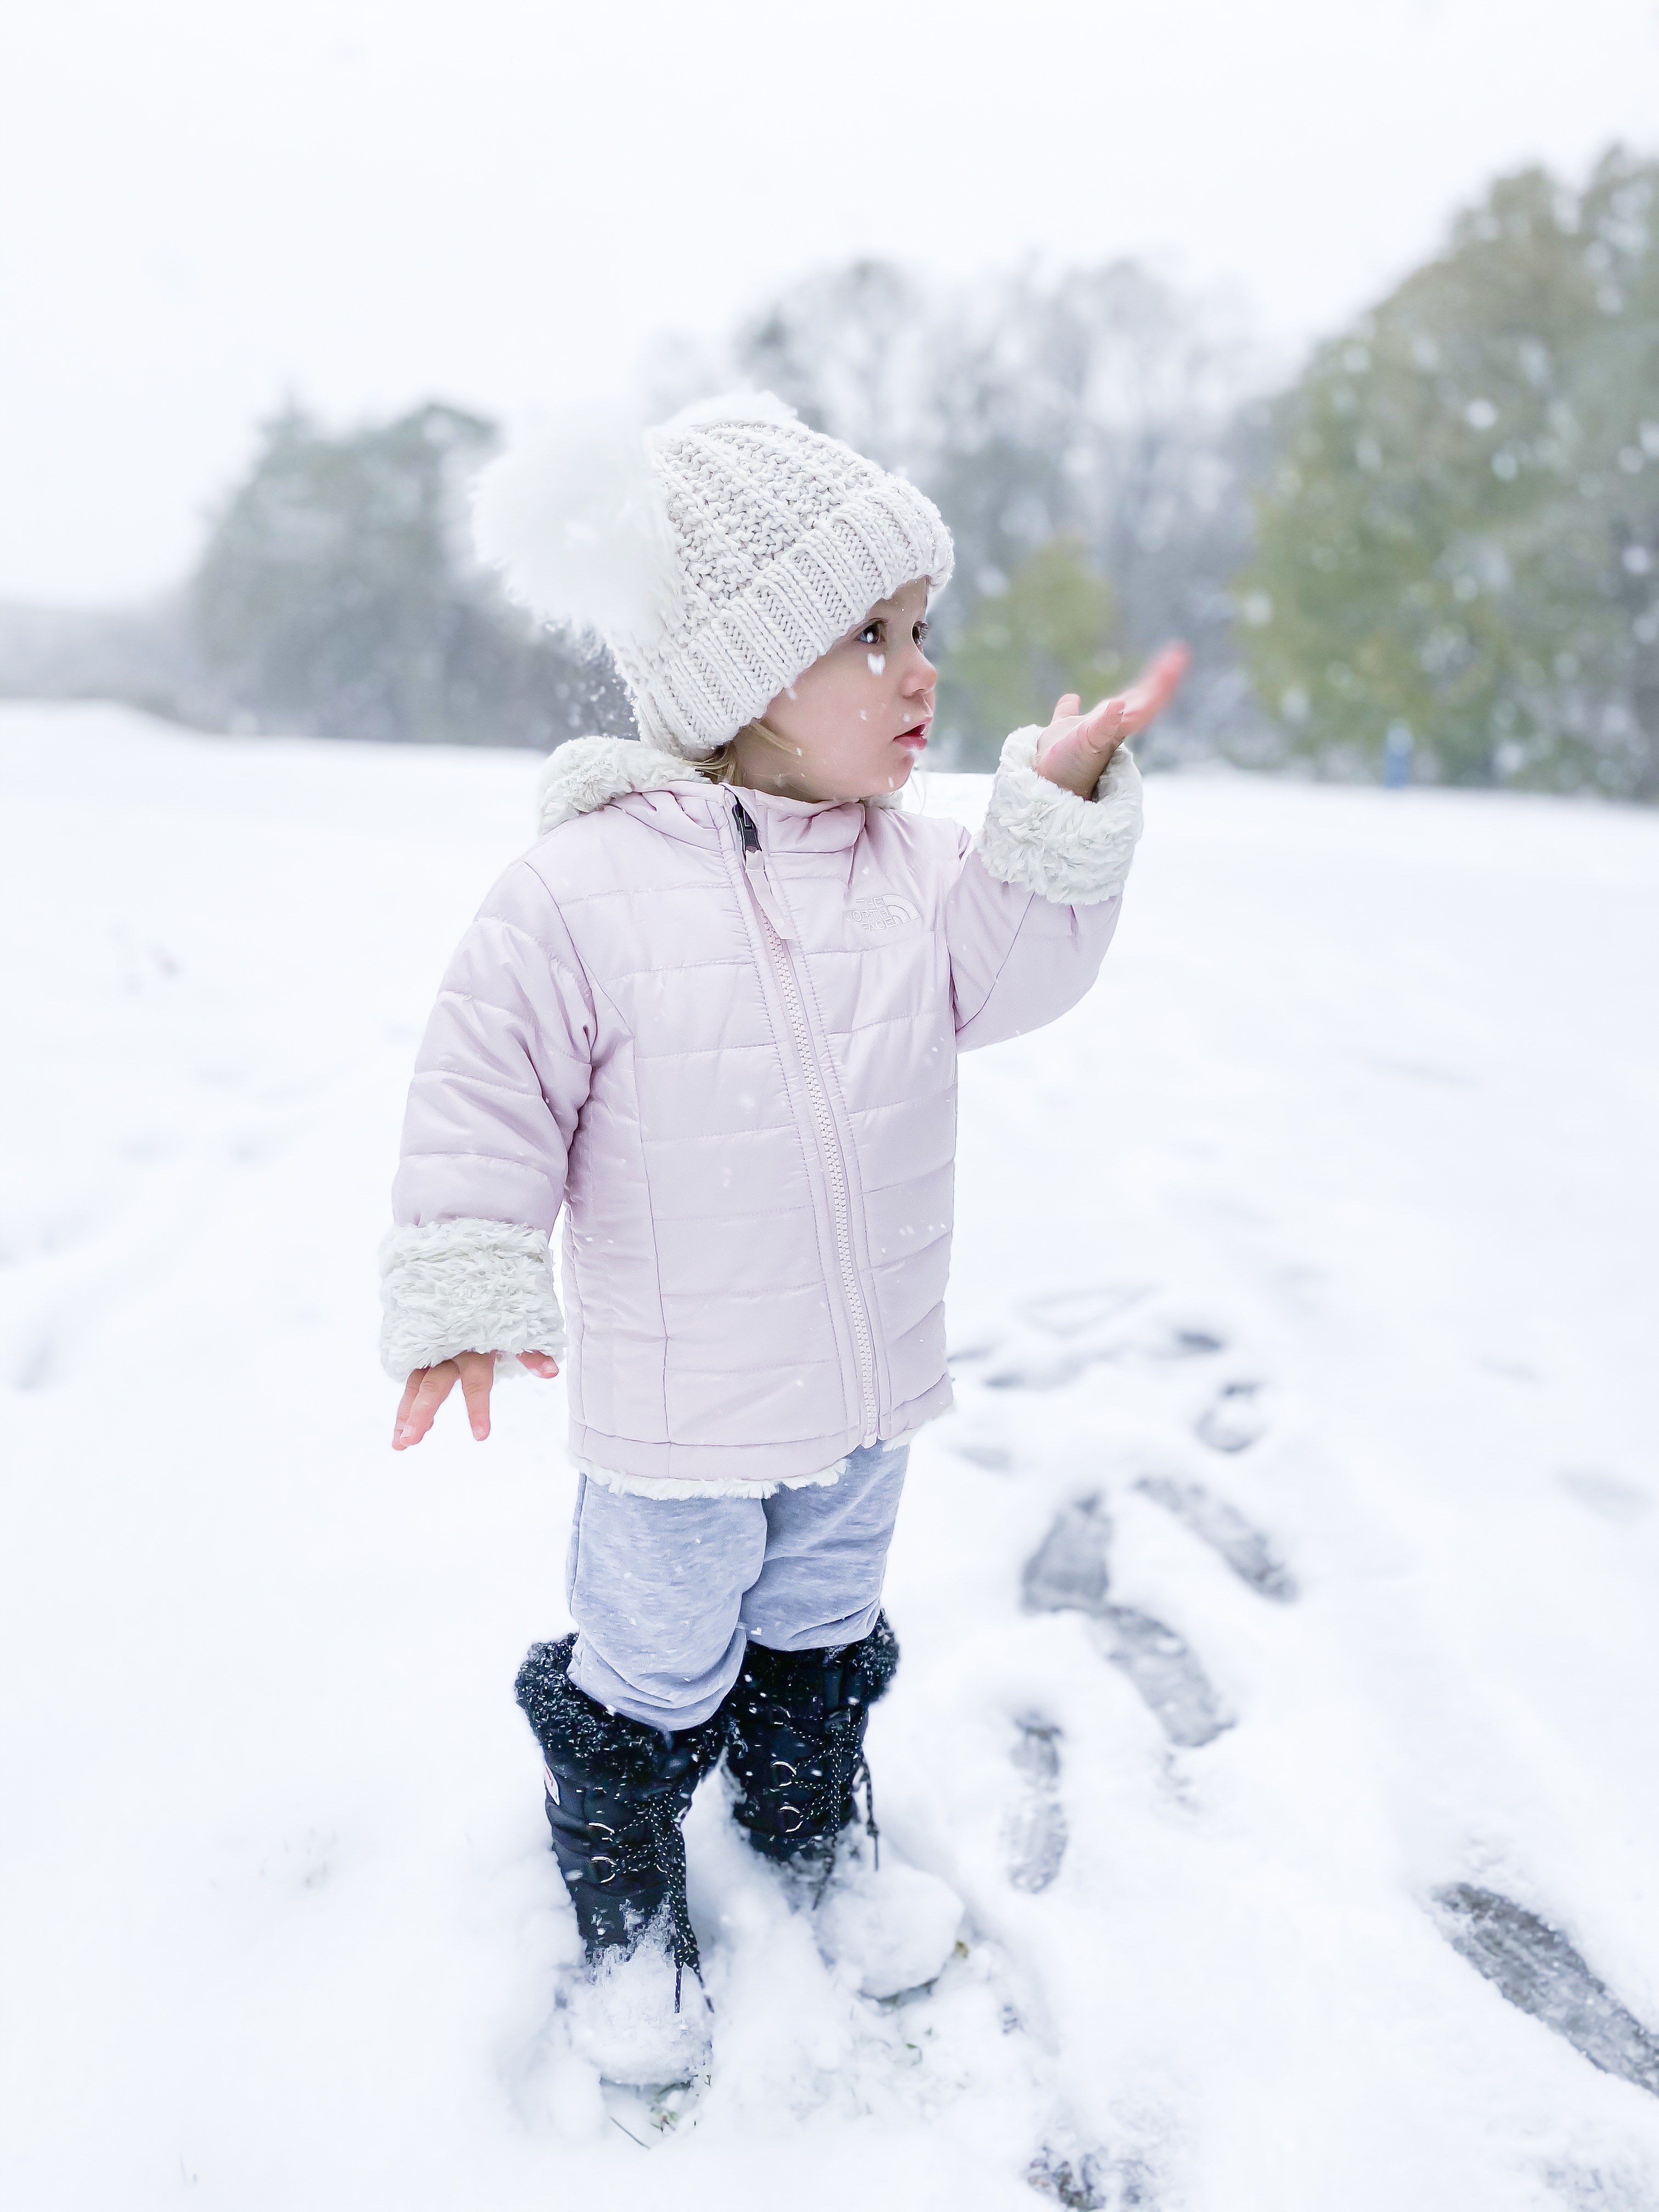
713	1015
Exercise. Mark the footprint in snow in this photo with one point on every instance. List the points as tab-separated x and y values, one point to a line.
1037	1367
1601	2188
1091	2181
1236	1419
1061	1337
1069	1573
1036	1827
1194	1344
1244	1547
1534	1966
1167	1674
1043	1370
1063	1334
1606	1495
34	1365
997	1459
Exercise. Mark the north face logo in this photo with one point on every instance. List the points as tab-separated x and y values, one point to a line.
881	913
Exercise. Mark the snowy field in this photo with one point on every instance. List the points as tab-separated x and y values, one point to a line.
1316	1250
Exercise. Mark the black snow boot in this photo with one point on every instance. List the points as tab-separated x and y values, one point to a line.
794	1745
618	1791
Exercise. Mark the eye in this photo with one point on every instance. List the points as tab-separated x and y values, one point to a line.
922	631
871	633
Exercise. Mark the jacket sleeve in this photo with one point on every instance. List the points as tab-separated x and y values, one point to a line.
500	1080
1038	895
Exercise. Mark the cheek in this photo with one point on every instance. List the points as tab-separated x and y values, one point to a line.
841	703
839	707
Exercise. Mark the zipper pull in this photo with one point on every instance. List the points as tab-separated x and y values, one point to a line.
754	867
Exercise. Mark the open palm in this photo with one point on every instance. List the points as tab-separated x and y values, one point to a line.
1075	749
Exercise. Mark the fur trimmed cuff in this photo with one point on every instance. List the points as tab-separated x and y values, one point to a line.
466	1286
582	1740
1074	851
866	1667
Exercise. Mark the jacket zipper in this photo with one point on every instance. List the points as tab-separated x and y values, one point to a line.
777	929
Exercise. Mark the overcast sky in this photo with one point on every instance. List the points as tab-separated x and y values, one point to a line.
206	205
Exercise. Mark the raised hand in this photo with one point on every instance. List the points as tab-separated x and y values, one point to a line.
427	1387
1075	749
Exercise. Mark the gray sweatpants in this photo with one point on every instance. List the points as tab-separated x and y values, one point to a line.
666	1592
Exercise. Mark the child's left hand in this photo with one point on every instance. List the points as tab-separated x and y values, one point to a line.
1075	749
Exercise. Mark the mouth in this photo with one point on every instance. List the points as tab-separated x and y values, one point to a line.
916	738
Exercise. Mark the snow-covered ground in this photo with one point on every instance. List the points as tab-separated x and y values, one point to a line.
1334	1205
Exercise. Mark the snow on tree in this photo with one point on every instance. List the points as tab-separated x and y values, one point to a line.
1459	543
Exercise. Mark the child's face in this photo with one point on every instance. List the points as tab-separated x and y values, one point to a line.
854	723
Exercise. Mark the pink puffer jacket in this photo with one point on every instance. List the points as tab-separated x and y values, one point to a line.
720	1029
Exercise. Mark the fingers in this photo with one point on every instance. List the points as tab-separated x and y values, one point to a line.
1100	732
430	1386
1104	719
427	1387
477	1374
1104	728
403	1405
1154	687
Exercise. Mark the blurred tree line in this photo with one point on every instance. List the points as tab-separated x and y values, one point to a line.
337	597
1435	553
1084	436
1091	439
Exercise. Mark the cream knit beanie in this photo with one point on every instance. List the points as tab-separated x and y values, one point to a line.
717	556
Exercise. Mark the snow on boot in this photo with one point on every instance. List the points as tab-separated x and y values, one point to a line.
640	2022
618	1791
890	1930
794	1745
795	1723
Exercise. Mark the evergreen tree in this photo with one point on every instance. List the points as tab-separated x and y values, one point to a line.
1049	633
1459	545
336	597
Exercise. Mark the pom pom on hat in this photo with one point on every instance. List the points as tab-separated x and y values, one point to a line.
574	519
718	554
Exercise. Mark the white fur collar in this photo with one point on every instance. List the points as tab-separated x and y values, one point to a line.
586	772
